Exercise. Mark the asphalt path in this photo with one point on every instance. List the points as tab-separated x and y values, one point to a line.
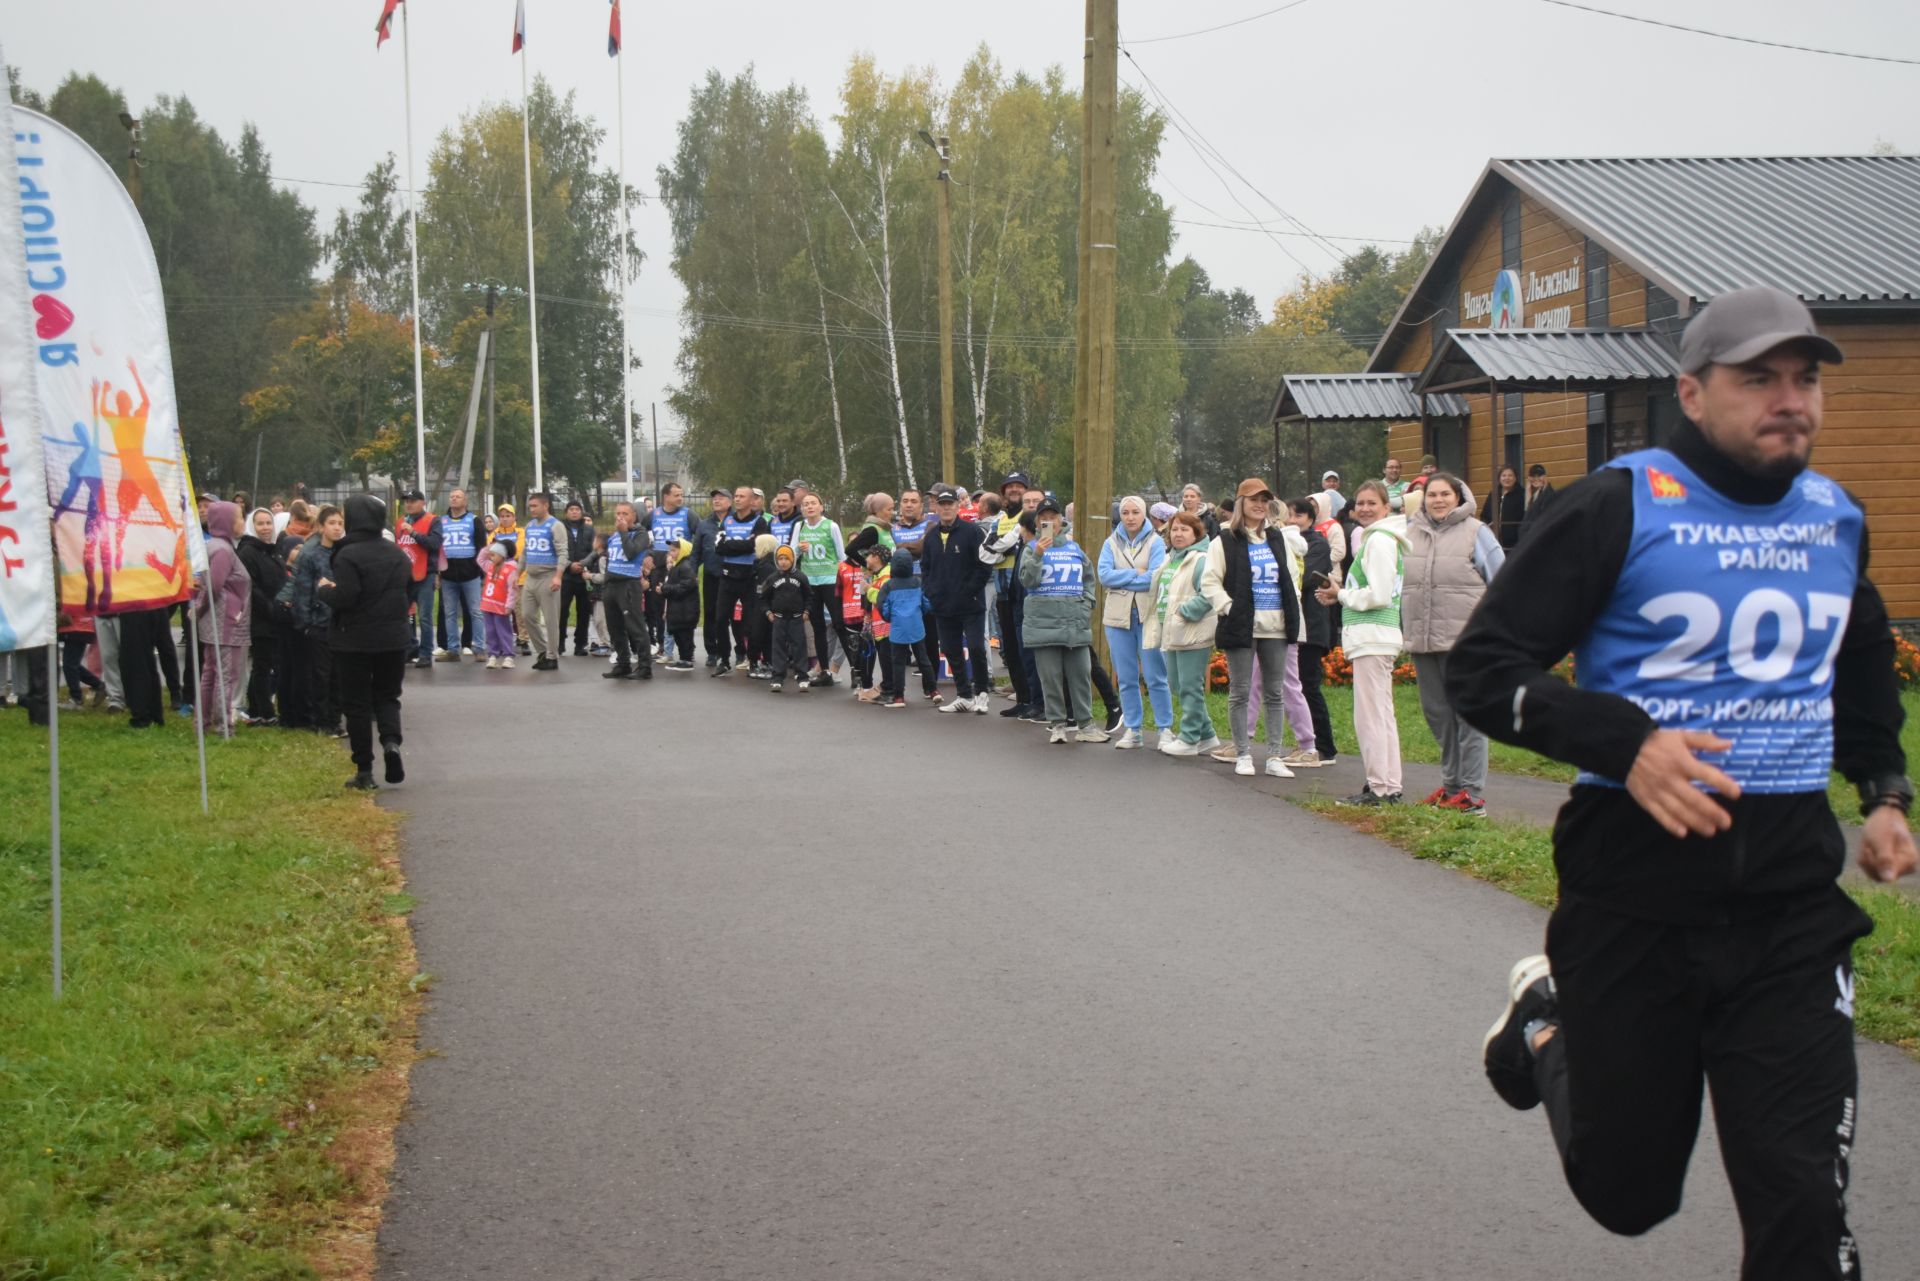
735	985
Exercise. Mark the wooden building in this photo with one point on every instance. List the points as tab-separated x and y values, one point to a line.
1552	309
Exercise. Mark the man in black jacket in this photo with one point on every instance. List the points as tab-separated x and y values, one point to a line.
625	596
573	583
738	530
955	583
366	587
706	556
1730	649
1316	638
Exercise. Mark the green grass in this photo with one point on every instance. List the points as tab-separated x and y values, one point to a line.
1518	858
233	981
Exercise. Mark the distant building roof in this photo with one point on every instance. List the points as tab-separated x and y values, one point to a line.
1334	397
1829	228
1546	359
1836	230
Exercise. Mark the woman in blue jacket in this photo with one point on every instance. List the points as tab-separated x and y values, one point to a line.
1129	559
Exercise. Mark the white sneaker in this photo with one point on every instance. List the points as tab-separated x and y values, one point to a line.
1208	744
1092	734
1277	768
956	705
982	703
507	663
1058	734
1179	748
1130	739
442	655
493	664
1243	766
467	650
1167	736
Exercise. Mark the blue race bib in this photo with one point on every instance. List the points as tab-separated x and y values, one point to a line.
734	529
1063	573
1728	617
1266	576
617	563
539	543
669	528
457	536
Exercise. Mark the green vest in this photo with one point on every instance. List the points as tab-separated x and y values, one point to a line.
815	545
1387	615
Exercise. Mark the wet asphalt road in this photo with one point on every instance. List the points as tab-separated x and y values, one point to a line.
731	985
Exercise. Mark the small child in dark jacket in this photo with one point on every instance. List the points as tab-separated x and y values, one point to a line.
680	587
786	594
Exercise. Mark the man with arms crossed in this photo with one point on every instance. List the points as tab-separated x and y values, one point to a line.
1729	649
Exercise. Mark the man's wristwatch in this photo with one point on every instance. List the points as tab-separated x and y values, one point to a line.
1892	790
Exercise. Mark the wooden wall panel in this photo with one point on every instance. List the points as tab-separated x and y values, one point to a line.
1870	442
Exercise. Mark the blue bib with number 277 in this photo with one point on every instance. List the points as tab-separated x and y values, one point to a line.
1727	618
1063	572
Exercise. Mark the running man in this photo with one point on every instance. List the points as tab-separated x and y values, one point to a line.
1729	649
88	471
129	426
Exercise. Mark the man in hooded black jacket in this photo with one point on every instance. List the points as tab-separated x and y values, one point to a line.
367	589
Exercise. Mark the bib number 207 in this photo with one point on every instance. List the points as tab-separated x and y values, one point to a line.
1681	658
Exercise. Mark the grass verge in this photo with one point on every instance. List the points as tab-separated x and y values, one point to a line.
215	1095
1518	857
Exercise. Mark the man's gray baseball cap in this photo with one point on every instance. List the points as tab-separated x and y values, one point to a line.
1747	324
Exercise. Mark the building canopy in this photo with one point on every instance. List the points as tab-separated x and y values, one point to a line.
1359	397
1545	360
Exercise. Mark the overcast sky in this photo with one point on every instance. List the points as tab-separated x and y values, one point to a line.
1360	118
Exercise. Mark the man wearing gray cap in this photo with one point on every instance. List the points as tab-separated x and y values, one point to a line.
1730	650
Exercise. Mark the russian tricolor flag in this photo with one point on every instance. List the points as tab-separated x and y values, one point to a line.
519	25
613	32
384	28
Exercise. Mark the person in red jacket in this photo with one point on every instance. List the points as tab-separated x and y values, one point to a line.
418	534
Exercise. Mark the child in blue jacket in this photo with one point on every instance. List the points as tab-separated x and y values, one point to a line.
901	605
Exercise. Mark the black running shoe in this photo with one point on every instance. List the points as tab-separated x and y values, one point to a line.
616	673
396	769
1508	1057
1113	719
721	668
1015	712
363	781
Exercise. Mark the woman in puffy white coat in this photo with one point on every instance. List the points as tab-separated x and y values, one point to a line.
1370	634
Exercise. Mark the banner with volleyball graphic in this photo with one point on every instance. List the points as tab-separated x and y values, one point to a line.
26	553
125	531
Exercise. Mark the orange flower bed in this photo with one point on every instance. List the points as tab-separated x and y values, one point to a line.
1906	661
1336	669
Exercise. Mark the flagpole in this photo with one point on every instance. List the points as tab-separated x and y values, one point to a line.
53	752
199	710
626	235
413	253
533	296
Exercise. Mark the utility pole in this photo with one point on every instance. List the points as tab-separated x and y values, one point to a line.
655	411
949	471
493	297
1094	371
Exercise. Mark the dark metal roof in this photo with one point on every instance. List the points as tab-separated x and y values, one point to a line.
1829	228
1333	397
1547	359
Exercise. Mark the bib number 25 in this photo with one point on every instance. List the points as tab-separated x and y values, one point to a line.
1681	658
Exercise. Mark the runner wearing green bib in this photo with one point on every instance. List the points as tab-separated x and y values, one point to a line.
817	547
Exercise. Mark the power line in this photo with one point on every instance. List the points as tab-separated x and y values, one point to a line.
1223	26
1723	35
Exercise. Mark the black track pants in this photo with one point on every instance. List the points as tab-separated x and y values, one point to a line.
1761	1012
